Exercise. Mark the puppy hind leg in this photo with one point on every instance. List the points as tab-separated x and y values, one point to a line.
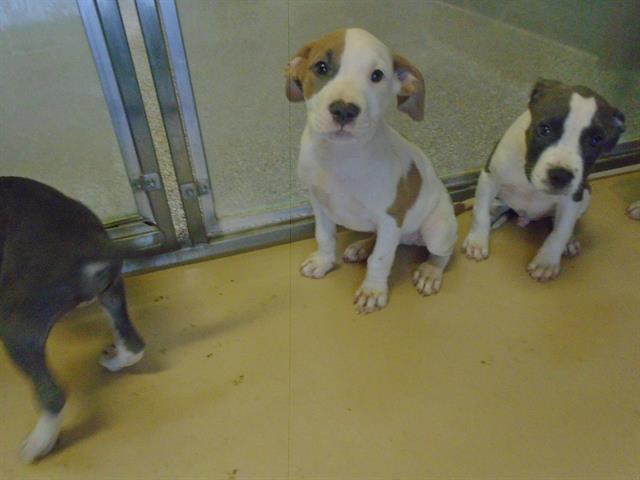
572	249
28	353
359	250
439	235
500	214
128	346
633	210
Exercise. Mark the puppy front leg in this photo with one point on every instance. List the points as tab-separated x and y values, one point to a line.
373	293
324	259
546	264
476	245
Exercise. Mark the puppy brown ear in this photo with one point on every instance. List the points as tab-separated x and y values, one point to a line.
411	95
294	74
541	87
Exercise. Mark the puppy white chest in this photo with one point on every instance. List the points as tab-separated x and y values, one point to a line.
527	201
342	201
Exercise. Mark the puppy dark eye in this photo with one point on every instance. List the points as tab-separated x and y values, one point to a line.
544	130
595	140
376	76
321	68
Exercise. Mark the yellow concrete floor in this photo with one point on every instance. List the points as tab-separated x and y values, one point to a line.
255	372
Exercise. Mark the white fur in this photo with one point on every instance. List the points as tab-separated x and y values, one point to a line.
118	356
352	177
42	438
507	182
634	210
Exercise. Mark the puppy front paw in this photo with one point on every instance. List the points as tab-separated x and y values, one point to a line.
476	246
370	298
317	266
427	279
543	269
633	210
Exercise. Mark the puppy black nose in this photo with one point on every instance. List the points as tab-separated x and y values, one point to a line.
559	177
343	112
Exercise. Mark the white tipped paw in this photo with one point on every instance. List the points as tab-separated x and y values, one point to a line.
633	210
116	357
572	249
317	266
370	299
43	437
542	269
427	279
476	246
359	251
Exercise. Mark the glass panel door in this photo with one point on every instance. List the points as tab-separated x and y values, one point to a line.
55	125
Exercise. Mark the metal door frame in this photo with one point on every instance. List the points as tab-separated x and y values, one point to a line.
107	39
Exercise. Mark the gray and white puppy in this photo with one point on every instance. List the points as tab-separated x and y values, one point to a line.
539	169
55	255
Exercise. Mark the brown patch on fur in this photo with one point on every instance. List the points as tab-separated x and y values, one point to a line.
406	194
411	95
302	81
461	207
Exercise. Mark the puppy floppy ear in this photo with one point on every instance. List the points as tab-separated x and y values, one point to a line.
617	129
294	74
411	94
541	87
618	121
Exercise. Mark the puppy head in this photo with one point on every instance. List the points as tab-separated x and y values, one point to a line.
571	126
347	78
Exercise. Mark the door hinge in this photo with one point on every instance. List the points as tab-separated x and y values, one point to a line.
194	189
148	182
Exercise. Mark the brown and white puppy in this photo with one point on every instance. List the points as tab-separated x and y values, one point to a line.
540	167
359	171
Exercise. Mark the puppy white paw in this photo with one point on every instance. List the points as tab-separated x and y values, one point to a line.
427	279
633	210
359	251
476	246
317	266
572	249
542	269
369	299
116	357
43	437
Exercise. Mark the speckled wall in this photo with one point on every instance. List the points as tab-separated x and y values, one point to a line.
152	108
54	122
478	73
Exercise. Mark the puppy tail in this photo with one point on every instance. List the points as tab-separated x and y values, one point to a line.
97	275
